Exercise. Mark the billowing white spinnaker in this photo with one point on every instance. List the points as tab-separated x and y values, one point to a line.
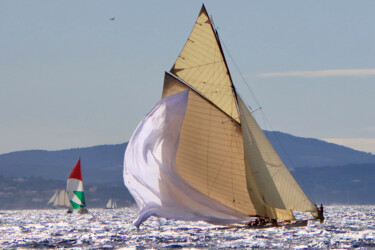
151	175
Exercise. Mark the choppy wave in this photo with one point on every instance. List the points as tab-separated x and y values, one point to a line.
345	227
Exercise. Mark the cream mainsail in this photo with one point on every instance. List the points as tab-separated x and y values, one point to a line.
201	145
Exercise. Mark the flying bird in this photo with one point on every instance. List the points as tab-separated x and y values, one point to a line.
112	19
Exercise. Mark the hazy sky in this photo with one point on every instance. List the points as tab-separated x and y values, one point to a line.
70	77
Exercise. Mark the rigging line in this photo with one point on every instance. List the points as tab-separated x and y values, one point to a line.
242	77
255	110
264	116
266	121
257	102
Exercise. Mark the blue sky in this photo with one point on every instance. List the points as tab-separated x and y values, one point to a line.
70	77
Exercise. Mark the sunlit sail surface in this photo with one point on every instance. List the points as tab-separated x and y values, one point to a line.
200	155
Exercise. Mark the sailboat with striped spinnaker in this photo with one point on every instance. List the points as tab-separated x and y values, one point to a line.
75	190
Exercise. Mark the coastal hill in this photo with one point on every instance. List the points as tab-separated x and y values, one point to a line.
99	163
309	152
104	163
328	173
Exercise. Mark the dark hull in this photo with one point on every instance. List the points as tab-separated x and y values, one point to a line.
299	223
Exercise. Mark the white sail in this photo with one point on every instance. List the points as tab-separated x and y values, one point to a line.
60	199
63	198
53	198
150	171
111	204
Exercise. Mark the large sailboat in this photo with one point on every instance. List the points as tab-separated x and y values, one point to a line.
59	199
199	155
75	191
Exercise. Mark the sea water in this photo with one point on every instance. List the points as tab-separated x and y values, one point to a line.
345	227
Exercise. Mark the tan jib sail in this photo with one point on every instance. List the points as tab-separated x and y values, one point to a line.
271	186
199	154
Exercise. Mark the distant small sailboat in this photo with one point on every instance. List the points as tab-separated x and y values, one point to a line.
75	191
59	199
199	154
111	204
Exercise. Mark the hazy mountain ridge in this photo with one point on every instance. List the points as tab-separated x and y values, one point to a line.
328	173
104	163
351	184
309	152
35	192
99	163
